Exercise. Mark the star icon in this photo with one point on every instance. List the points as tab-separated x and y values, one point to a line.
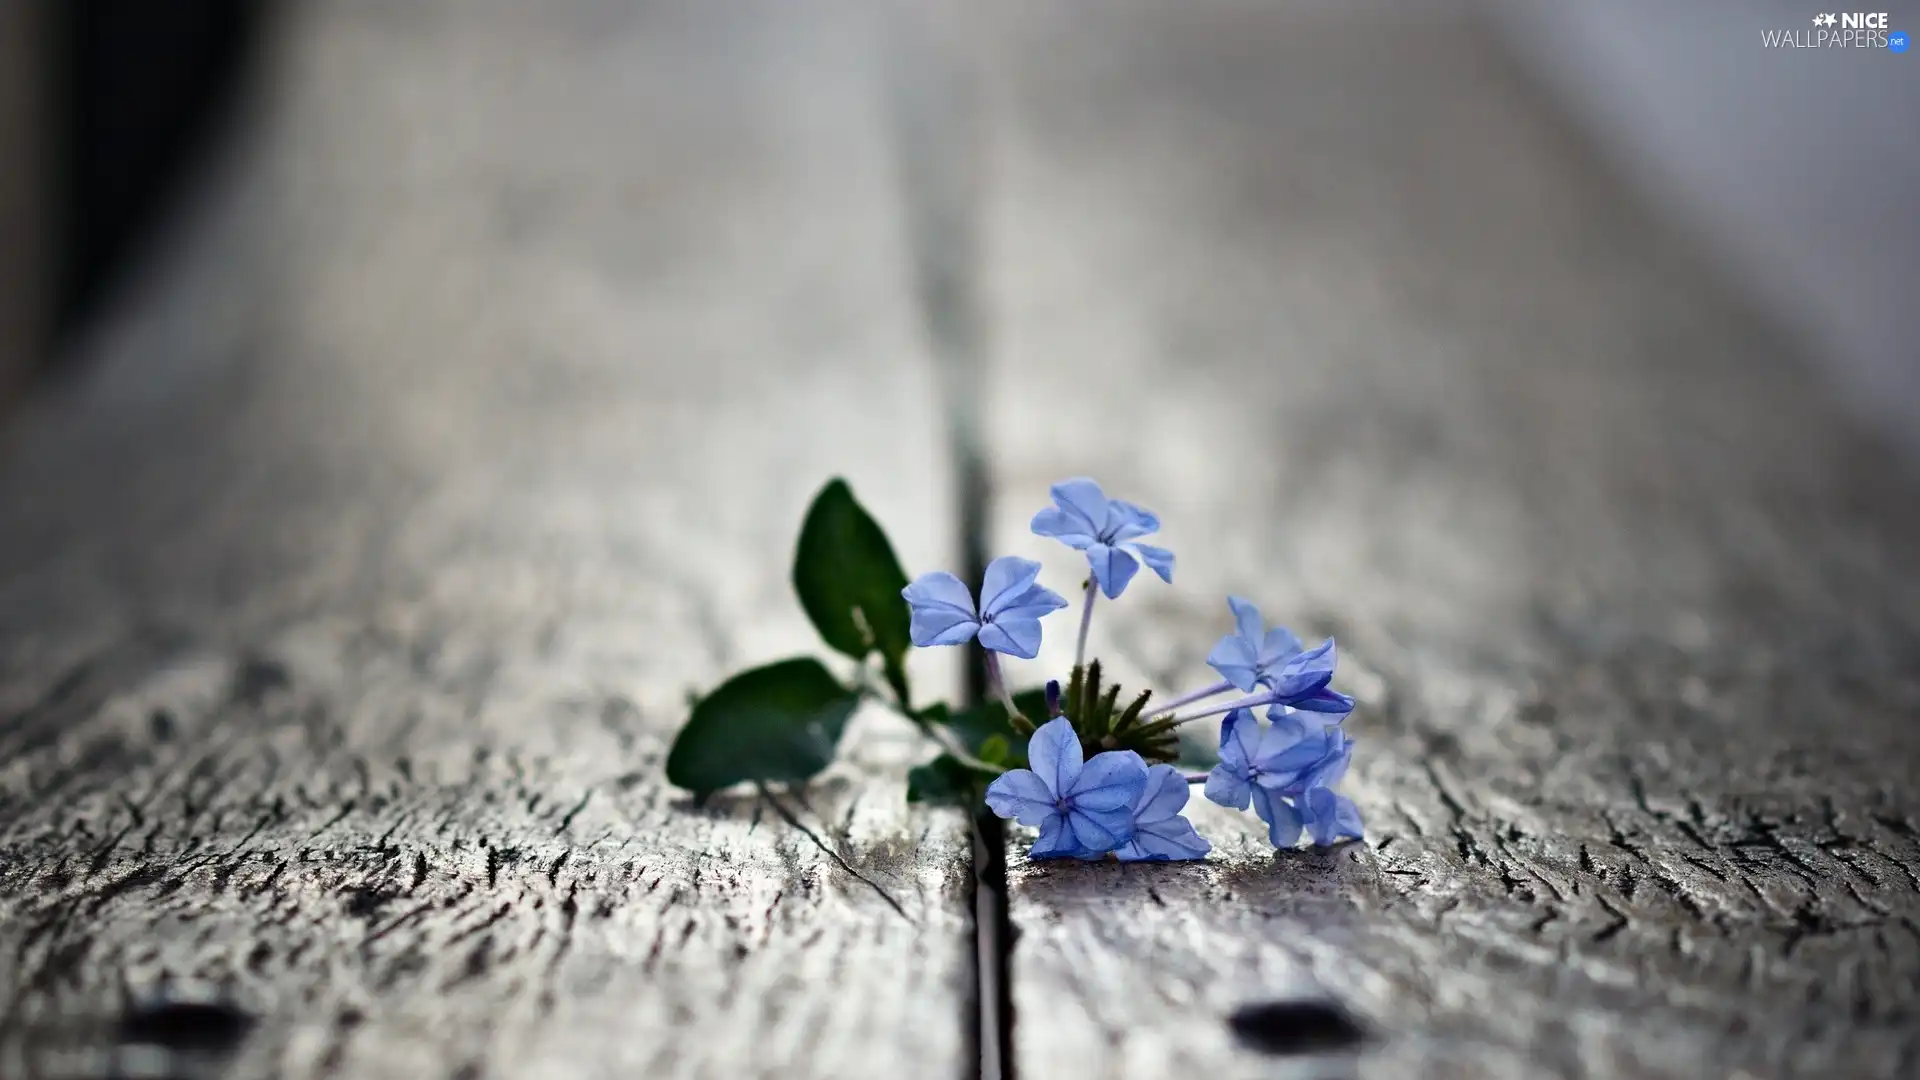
1830	20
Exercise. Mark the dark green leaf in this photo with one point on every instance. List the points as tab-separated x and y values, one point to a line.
775	723
977	726
944	781
1033	705
849	581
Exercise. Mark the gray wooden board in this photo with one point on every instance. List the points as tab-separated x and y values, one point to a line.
1630	607
349	597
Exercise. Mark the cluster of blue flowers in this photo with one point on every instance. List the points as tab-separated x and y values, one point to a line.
1113	802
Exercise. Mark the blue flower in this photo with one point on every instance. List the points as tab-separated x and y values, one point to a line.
1312	804
1287	772
1273	758
1079	809
1160	833
1327	816
1254	656
1008	619
1083	518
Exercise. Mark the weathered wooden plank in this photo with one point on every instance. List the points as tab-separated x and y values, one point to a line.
349	599
1629	605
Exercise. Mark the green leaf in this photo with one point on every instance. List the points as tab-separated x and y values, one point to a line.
780	722
849	582
979	726
994	750
942	782
937	713
947	781
1033	705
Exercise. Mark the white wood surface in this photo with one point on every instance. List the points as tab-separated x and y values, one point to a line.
350	595
1628	603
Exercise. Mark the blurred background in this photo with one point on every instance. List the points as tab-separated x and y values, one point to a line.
1796	170
106	106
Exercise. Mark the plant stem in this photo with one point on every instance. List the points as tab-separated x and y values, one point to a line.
941	736
998	685
958	752
897	682
1251	701
1086	621
1220	687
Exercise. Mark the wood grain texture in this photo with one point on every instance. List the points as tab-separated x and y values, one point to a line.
350	596
1629	605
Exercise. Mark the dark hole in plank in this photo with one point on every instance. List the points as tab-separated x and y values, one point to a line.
186	1027
1296	1027
256	679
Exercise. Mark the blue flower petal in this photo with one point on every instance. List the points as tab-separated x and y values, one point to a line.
1158	559
1274	657
1279	645
1065	526
1036	602
1234	659
1082	499
1054	754
1288	749
1111	781
927	631
1164	793
1325	700
1330	817
1164	841
1227	789
1247	621
1239	741
941	610
1125	521
1239	738
1012	605
1086	520
1283	822
1013	636
1112	567
1332	766
1008	578
1160	834
1100	831
1301	674
1056	840
1020	794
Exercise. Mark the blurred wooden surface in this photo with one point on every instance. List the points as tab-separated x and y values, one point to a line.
1631	608
24	266
350	594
